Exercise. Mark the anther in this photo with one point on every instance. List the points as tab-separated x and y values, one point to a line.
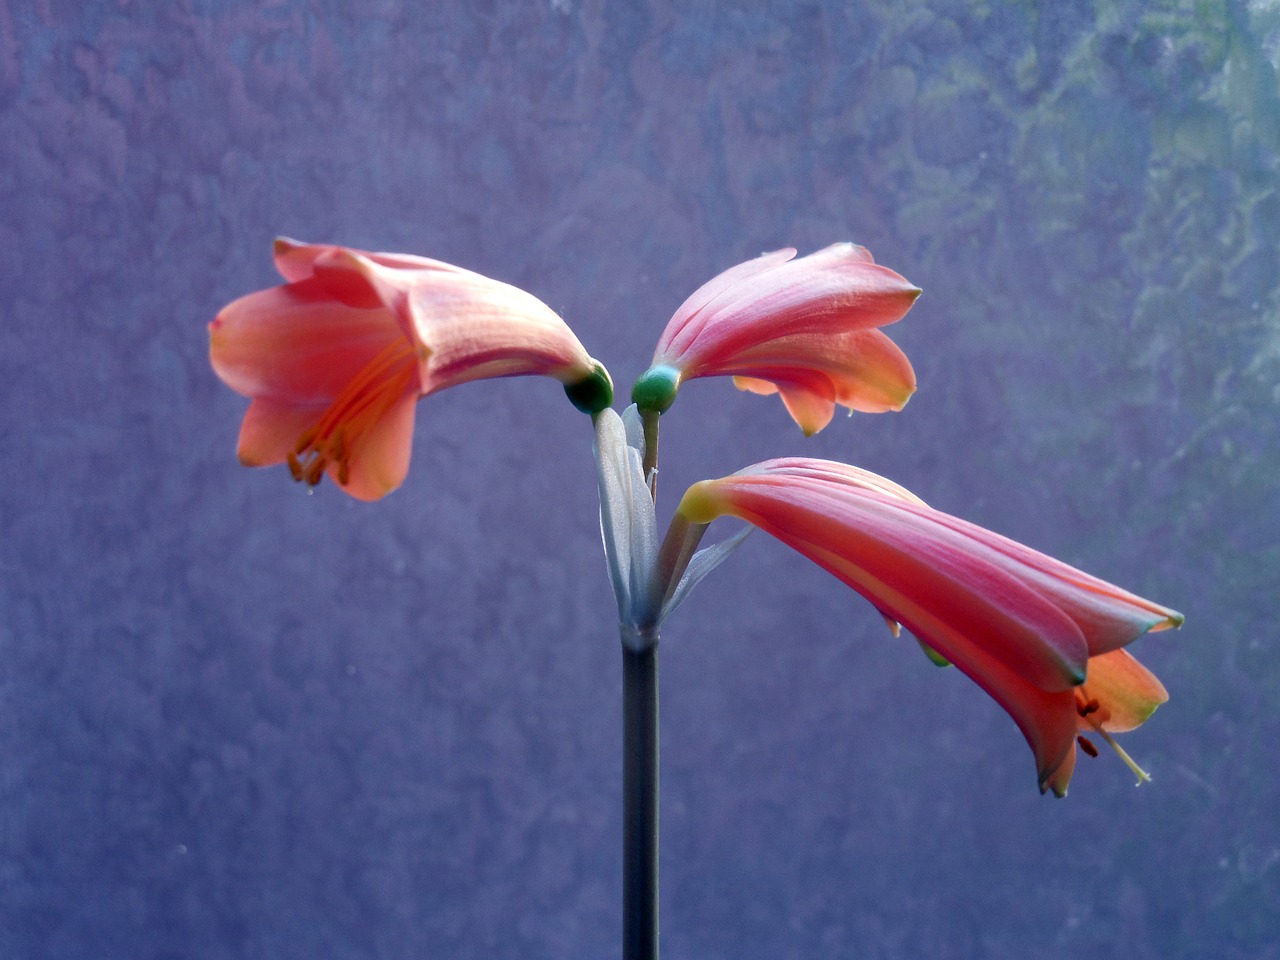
295	467
1088	707
315	471
1087	746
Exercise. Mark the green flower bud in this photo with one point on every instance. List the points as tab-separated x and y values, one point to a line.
592	393
656	389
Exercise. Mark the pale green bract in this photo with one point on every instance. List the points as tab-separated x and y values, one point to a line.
647	589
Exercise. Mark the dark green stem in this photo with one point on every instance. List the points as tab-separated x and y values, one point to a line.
649	419
640	764
640	803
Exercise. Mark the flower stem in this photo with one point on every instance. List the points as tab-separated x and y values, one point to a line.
649	419
640	803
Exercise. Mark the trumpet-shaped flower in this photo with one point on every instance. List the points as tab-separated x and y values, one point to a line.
1041	637
336	358
805	329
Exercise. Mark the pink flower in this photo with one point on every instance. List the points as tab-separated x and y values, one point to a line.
336	359
1039	636
803	328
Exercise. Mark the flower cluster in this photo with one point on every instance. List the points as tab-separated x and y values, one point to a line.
335	360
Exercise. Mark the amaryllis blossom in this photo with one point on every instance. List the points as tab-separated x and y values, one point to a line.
336	358
1043	638
806	329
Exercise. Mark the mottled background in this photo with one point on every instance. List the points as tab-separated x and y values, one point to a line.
237	721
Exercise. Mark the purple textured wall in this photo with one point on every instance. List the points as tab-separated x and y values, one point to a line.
242	722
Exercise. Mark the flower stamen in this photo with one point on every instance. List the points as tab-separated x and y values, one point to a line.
1142	775
1087	708
335	437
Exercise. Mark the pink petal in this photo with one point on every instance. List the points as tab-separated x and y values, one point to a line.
833	472
271	429
296	261
691	315
1108	616
1058	778
811	409
1047	718
465	326
808	396
380	458
863	370
293	259
478	328
914	570
763	388
872	374
295	344
1127	693
831	292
